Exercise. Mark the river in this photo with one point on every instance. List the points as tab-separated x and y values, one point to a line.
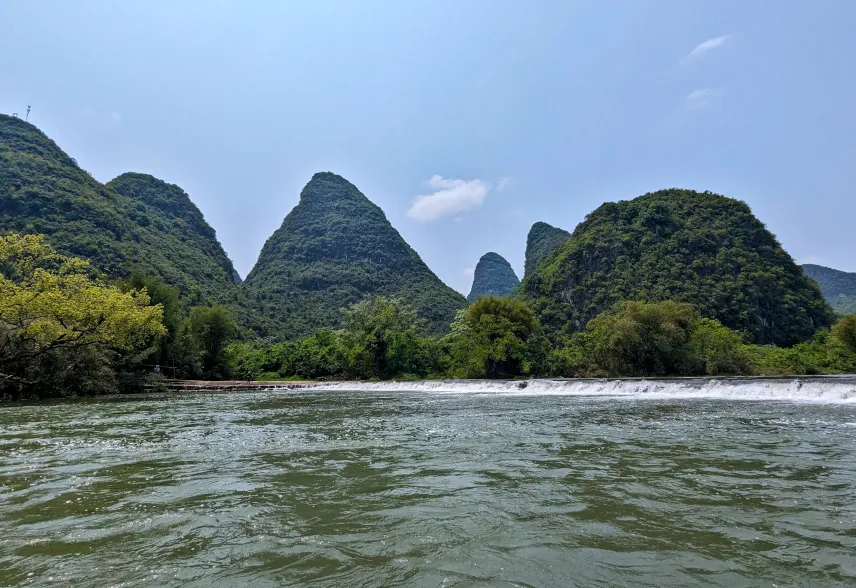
436	485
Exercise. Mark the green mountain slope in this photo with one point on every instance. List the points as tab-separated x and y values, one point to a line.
541	241
493	276
336	248
133	221
178	244
695	247
839	288
43	190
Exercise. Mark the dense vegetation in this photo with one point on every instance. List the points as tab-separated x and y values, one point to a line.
336	248
699	248
60	326
837	287
542	240
501	337
42	190
129	284
179	245
135	222
493	276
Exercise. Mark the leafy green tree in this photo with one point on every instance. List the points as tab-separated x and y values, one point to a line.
717	350
382	338
845	331
643	339
491	338
824	354
203	339
52	309
160	293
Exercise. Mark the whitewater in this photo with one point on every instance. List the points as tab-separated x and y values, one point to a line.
811	389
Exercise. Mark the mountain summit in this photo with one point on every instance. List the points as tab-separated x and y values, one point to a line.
134	221
695	247
336	248
541	241
493	276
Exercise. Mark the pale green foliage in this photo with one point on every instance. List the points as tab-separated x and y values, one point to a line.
50	304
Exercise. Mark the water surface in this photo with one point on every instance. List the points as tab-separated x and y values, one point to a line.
419	488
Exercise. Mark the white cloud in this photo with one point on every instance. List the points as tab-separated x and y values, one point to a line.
449	197
701	98
703	48
115	117
502	183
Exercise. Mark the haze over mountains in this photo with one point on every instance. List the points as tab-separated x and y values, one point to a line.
336	247
839	288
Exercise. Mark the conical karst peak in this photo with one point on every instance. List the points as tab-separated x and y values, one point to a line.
493	276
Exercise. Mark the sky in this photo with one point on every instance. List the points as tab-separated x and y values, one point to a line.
465	120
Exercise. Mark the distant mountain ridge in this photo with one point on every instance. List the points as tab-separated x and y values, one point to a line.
838	287
493	276
336	248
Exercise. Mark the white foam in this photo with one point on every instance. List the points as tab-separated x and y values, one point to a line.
831	390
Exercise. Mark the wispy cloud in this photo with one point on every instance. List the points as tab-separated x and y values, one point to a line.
115	117
703	48
701	98
449	197
469	271
503	182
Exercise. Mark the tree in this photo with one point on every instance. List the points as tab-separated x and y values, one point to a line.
382	338
643	339
52	307
845	331
203	340
491	338
160	293
717	350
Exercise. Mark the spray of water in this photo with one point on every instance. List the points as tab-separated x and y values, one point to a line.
822	390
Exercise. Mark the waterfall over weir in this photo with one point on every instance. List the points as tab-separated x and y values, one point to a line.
822	390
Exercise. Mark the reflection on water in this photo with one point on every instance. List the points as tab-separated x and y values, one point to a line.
418	489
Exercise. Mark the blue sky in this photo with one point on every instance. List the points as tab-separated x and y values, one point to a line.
497	114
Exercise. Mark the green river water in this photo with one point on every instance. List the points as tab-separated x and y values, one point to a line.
392	488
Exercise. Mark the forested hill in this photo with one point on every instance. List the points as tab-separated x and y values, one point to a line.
180	246
839	288
700	248
335	248
493	276
43	190
541	241
135	221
